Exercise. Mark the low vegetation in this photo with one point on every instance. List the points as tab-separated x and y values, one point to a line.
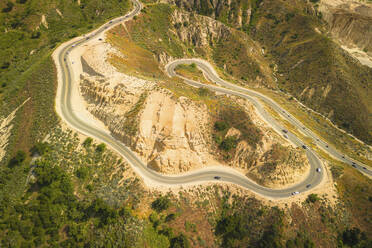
26	68
306	60
191	72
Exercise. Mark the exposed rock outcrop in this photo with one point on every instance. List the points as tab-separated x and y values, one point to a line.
198	30
174	134
350	22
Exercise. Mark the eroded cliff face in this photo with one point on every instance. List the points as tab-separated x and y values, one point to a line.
350	22
237	13
198	30
169	133
174	134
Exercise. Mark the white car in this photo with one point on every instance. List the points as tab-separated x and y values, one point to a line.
318	169
295	193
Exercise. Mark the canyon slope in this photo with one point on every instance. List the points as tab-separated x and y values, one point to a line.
301	39
175	133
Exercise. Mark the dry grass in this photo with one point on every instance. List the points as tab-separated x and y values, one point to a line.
321	127
136	60
192	72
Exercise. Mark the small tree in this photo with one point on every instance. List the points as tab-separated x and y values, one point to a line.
35	35
87	142
18	158
40	148
180	241
353	236
161	204
9	7
101	148
170	217
312	198
220	125
229	143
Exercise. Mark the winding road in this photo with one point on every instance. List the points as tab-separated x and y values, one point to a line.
64	107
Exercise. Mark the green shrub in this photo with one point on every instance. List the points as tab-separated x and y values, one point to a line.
229	143
170	217
312	198
18	158
221	126
180	241
82	172
202	91
87	142
40	148
161	204
336	171
35	35
5	65
9	7
101	147
353	237
218	139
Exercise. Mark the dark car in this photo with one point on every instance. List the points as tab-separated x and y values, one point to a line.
308	186
217	177
364	168
285	131
327	146
303	146
354	165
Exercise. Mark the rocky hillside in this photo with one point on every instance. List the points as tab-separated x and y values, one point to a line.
311	67
350	22
174	134
29	31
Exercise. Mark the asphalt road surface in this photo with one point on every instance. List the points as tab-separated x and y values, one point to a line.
251	95
72	118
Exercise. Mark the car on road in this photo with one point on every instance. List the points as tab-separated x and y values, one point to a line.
285	136
64	59
100	39
364	168
318	170
110	22
308	186
327	146
343	156
217	177
303	146
285	131
73	45
295	193
354	165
